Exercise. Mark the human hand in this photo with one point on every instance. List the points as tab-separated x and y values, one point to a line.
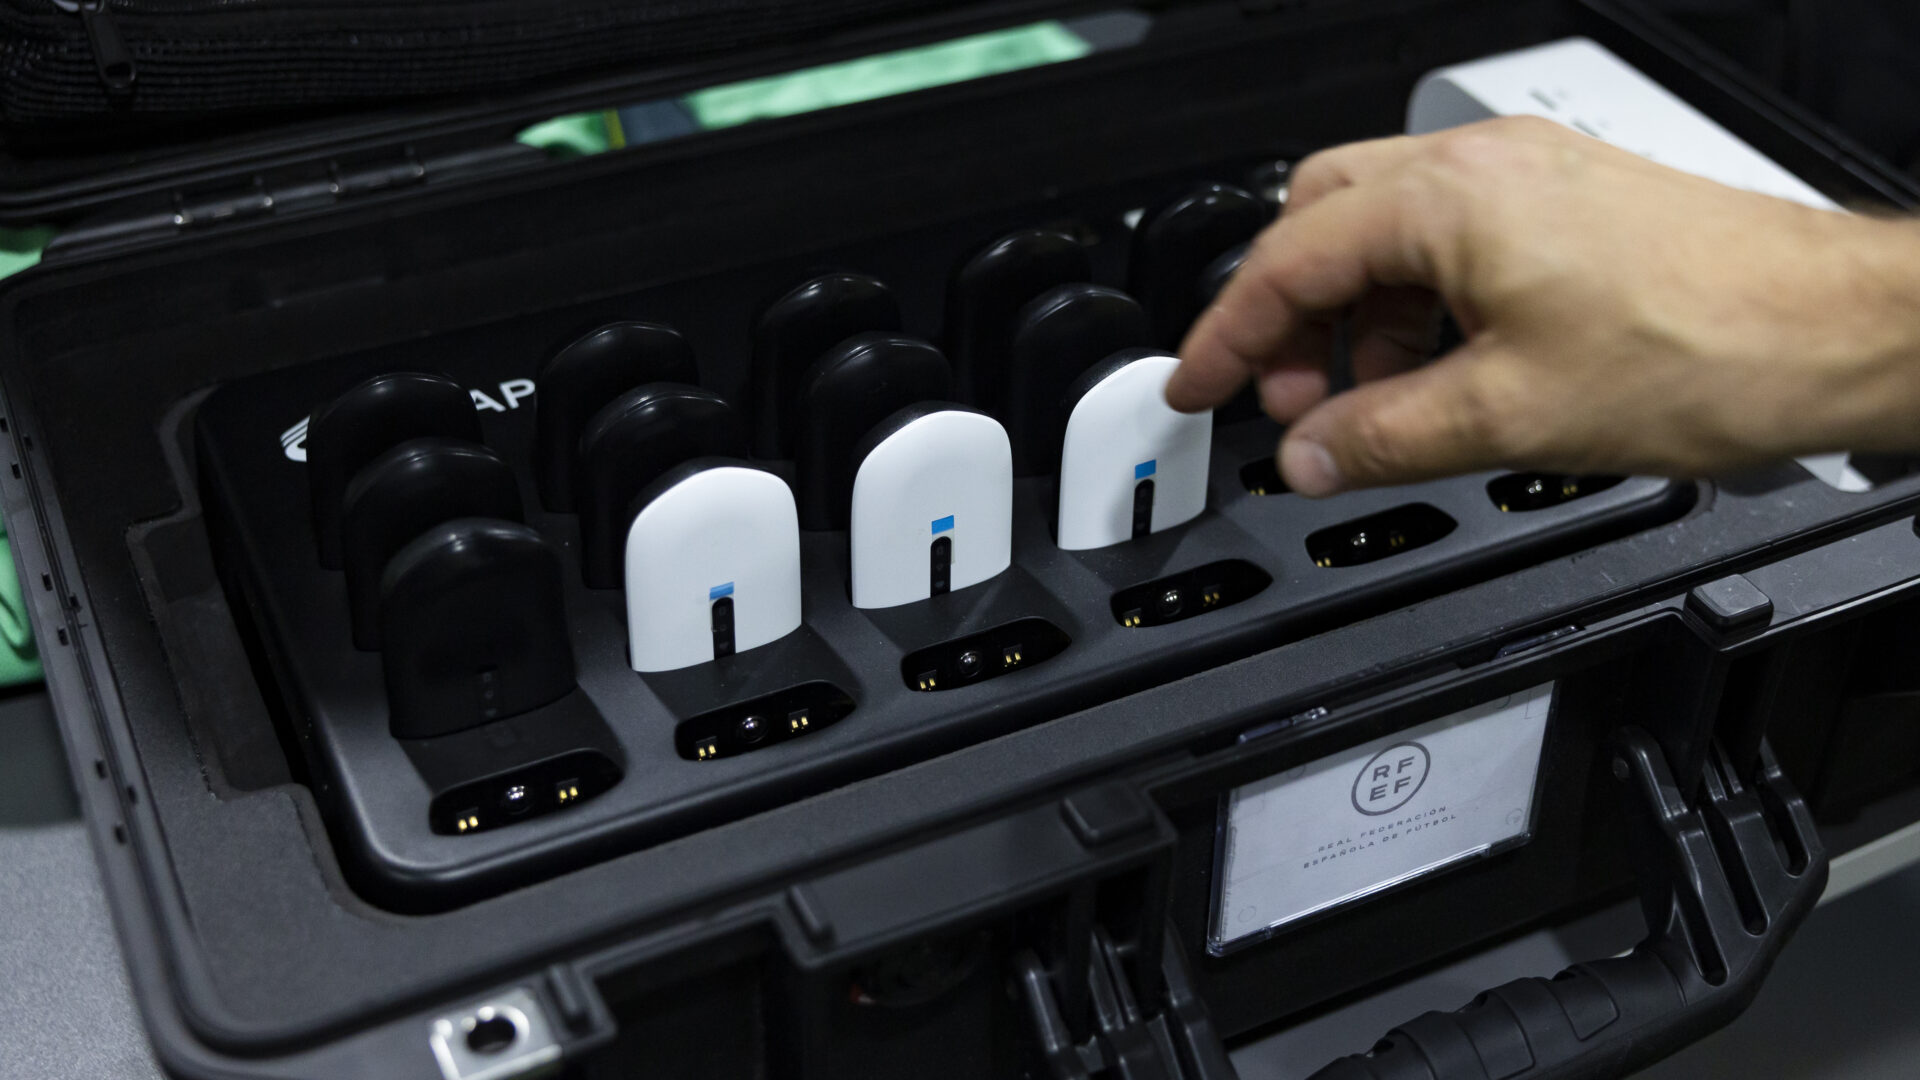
1620	316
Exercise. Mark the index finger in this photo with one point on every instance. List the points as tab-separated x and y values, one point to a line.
1305	267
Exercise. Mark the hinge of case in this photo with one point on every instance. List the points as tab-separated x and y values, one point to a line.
324	184
1140	1017
219	208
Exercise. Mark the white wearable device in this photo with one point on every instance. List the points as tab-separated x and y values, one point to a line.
1129	464
712	565
932	505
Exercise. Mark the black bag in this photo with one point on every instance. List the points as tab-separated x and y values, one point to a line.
137	62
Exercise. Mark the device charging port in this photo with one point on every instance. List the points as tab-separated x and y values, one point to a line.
988	654
1262	477
762	722
523	793
1379	536
1189	593
1518	493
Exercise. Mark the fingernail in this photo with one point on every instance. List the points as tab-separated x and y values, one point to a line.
1308	469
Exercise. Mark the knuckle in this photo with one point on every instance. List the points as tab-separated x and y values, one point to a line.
1281	268
1496	149
1528	126
1473	154
1418	188
1376	446
1240	338
1462	148
1317	173
1269	246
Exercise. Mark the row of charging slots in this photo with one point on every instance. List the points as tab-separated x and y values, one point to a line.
397	466
800	710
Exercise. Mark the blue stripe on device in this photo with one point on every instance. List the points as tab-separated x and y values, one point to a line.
941	525
719	591
1145	469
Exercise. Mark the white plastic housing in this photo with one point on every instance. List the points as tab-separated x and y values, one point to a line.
948	473
1579	83
723	531
1120	433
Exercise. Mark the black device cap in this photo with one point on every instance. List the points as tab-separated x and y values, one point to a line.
794	332
854	387
985	296
1057	337
1083	383
364	423
472	627
685	470
1213	280
626	446
579	380
1176	242
401	494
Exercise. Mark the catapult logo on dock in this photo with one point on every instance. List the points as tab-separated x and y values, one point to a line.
512	392
1391	779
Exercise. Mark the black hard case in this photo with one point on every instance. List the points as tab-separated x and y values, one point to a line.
747	946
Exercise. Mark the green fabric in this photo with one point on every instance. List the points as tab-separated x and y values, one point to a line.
19	660
577	135
886	74
20	248
811	89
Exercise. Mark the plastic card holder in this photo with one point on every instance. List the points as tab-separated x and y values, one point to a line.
1378	816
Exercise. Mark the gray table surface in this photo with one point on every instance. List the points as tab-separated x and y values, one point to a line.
65	1012
1839	1005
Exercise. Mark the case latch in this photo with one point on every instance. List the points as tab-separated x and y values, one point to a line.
1145	1026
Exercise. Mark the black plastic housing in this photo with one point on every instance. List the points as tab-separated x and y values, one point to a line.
1252	541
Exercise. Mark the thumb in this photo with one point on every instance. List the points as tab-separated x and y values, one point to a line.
1439	420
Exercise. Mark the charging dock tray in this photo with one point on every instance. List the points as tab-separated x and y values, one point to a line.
628	760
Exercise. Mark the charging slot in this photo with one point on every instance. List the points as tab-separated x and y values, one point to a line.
1262	477
1379	536
988	654
523	793
1518	493
1189	593
762	722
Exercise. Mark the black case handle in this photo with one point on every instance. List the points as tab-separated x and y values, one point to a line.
1724	885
